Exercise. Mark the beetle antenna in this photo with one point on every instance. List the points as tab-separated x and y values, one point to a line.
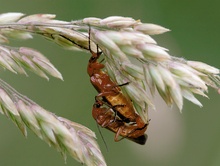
102	137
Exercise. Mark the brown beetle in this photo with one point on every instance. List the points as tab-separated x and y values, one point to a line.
106	118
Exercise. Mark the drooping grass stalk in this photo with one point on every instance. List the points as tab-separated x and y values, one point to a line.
66	136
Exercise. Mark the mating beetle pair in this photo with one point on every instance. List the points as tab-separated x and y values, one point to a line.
112	109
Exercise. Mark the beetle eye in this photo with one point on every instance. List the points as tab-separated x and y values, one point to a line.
92	59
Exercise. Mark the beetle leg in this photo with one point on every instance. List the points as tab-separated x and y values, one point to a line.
126	83
117	135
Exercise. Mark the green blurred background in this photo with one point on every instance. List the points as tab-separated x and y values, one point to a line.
191	138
